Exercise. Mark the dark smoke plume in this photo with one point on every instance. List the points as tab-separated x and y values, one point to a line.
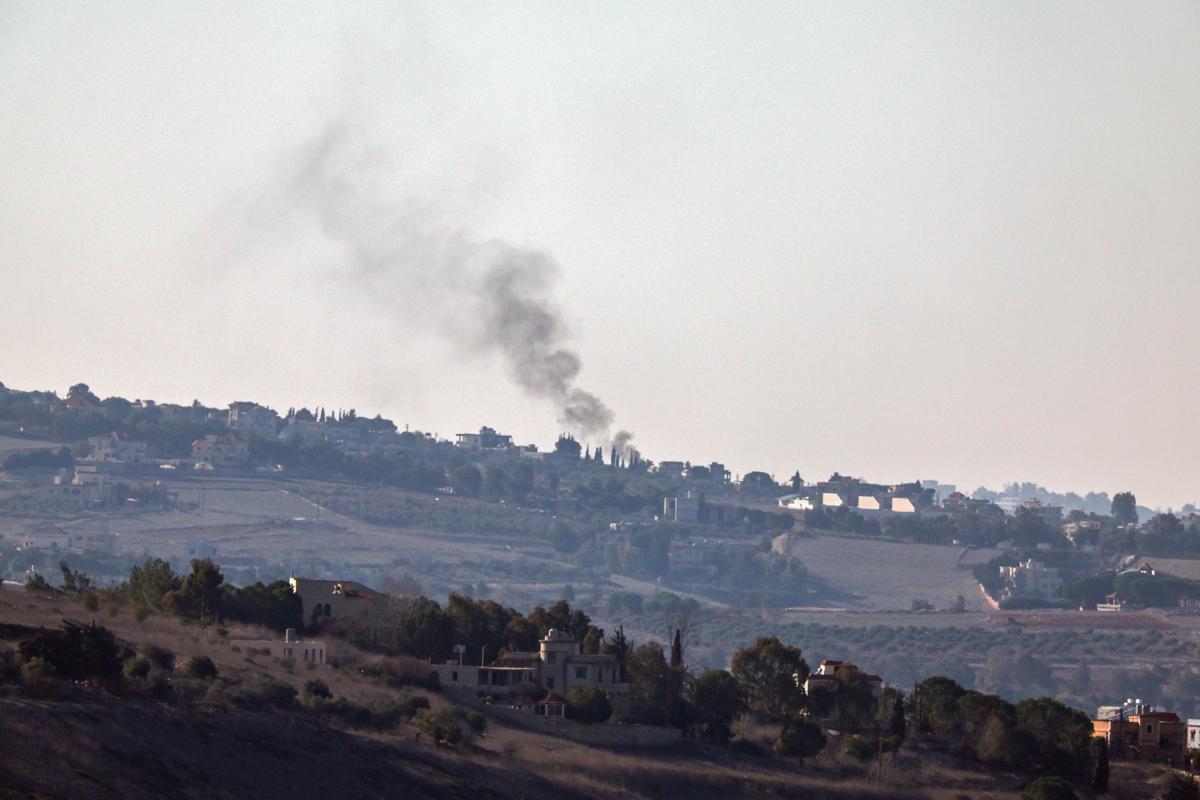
489	296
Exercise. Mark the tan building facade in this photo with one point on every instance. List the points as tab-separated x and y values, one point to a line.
557	665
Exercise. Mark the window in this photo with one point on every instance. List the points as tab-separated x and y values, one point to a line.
549	683
288	652
581	673
552	658
454	676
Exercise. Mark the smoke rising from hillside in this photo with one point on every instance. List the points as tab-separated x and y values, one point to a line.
487	296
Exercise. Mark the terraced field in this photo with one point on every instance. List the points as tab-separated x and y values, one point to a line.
873	574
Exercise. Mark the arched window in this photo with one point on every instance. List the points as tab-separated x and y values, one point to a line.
328	611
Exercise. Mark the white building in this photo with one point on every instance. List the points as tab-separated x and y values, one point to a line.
220	452
251	418
1030	579
54	538
116	448
310	651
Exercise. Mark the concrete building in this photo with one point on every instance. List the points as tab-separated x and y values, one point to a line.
116	448
323	600
253	419
486	439
824	678
310	651
82	486
683	508
1030	579
303	431
54	538
673	469
220	452
699	553
1136	729
557	665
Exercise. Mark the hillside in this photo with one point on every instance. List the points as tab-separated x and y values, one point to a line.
70	741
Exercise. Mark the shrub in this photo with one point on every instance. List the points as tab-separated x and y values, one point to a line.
76	652
201	667
36	669
90	602
859	747
160	657
379	716
589	704
10	668
1049	789
1179	787
317	688
451	725
137	667
405	671
141	613
748	747
800	739
36	583
263	695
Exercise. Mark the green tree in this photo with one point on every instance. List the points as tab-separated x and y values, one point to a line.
717	700
75	581
589	704
148	583
649	677
935	706
1124	508
199	594
520	484
1059	736
618	646
799	739
466	480
522	634
896	724
758	483
1100	756
772	676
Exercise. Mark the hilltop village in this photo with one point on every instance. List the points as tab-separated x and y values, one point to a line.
336	534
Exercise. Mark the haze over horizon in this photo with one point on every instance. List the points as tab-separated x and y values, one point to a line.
951	241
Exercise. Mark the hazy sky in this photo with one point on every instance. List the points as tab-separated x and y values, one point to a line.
911	240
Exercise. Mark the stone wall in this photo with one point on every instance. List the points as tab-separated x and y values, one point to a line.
605	734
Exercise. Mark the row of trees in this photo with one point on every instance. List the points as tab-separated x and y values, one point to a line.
1040	735
201	594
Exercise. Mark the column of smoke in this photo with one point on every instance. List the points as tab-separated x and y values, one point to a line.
487	296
